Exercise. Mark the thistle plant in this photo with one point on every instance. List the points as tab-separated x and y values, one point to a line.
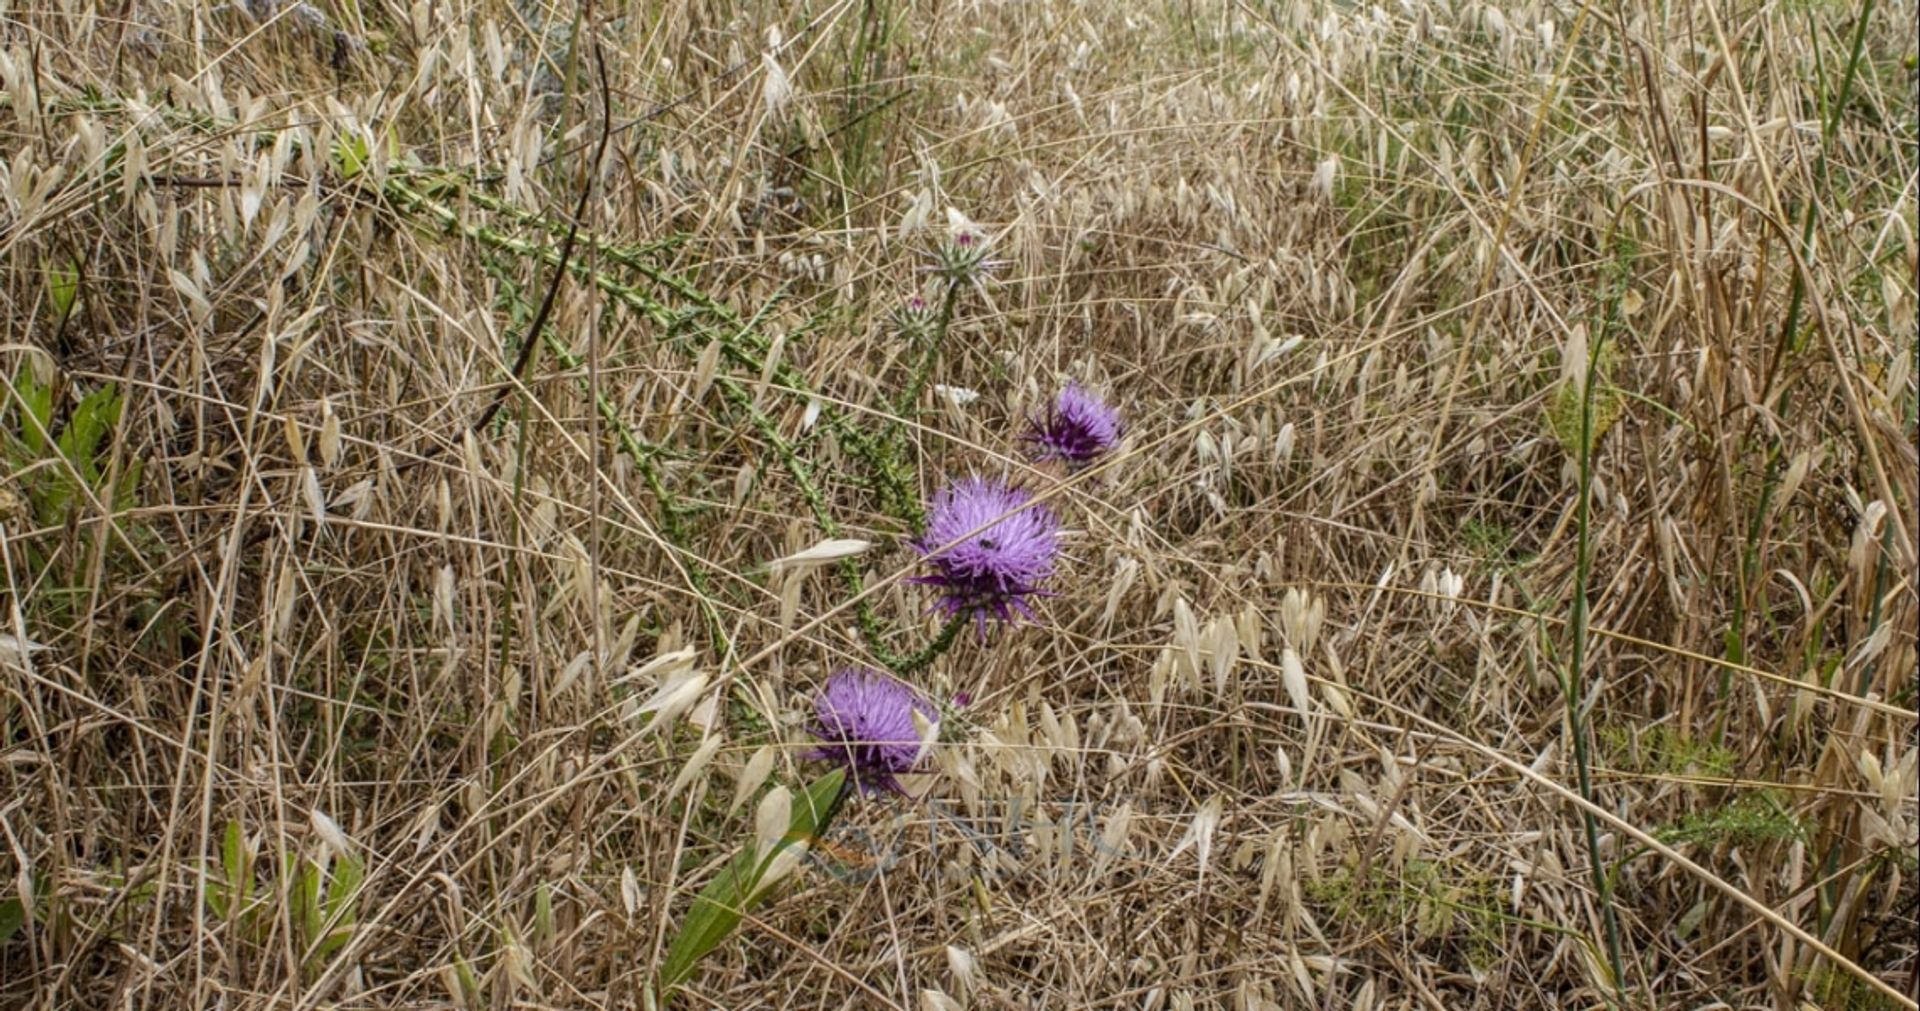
959	262
914	319
963	258
990	548
1077	429
866	720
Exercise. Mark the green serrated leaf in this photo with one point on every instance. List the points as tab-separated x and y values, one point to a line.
717	911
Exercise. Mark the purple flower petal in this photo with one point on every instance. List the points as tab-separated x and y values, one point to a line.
865	719
1077	429
990	549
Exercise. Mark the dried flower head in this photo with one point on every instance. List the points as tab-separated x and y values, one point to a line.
1076	429
866	719
990	548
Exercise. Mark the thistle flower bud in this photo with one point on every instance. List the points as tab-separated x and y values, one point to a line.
914	318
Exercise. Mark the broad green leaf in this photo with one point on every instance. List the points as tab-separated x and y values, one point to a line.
233	852
306	901
37	402
63	286
95	415
12	917
717	910
330	921
344	891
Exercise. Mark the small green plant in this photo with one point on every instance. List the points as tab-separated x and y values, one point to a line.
63	287
1841	991
462	983
1665	751
1563	411
1438	905
1746	821
54	467
323	895
13	914
352	154
748	879
232	894
1488	539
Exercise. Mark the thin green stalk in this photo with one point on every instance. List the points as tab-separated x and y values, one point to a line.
936	339
1785	345
1830	122
1575	690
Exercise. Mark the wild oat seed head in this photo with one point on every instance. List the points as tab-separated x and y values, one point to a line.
866	719
1077	429
988	572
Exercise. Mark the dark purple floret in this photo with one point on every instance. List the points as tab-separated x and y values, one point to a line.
1077	429
988	571
866	719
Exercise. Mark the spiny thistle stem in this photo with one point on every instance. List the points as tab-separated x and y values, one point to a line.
940	644
878	454
910	396
882	465
871	628
671	512
644	457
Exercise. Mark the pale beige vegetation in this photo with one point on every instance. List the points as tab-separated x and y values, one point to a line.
338	702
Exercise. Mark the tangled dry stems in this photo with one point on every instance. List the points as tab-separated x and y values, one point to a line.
1291	732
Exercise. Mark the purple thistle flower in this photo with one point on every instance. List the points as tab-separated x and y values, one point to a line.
1077	429
866	719
989	571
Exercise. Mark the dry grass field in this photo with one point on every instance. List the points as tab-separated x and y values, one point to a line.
446	446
